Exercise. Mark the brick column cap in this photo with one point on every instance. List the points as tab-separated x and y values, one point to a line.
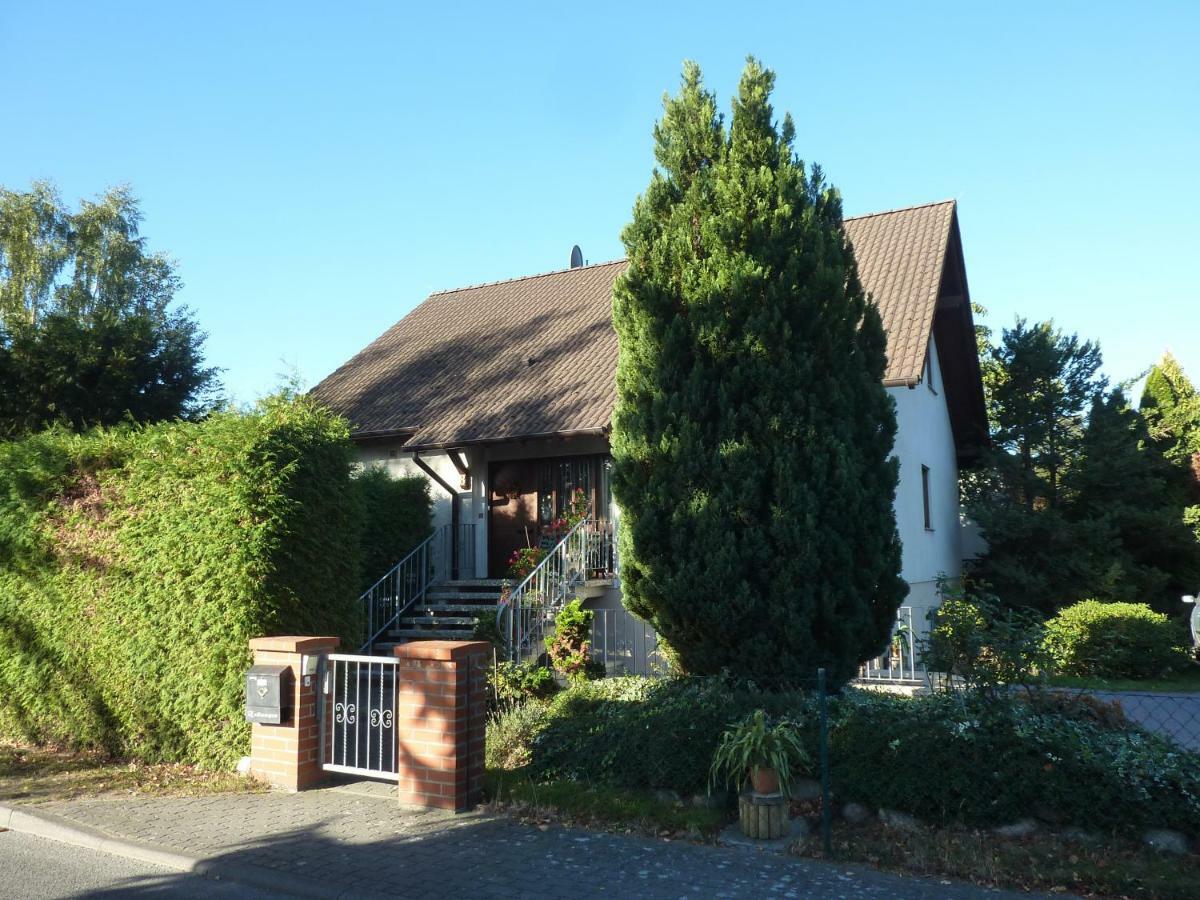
441	650
294	643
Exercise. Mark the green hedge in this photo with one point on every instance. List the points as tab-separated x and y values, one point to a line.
1114	640
398	515
944	758
136	564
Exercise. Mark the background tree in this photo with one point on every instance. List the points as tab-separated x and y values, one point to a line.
1039	384
87	336
752	436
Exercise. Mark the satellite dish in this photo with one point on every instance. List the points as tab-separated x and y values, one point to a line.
576	257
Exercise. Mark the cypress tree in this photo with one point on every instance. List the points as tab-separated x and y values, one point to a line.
752	436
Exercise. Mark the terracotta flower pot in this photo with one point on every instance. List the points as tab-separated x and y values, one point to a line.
764	780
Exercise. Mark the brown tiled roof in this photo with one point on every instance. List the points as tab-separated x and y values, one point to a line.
537	355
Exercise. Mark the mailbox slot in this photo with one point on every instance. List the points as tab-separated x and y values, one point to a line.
269	695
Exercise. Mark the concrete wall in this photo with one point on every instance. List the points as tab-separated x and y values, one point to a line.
924	438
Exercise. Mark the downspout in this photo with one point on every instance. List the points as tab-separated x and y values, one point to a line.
454	517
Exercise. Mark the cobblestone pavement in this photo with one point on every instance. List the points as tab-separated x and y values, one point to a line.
362	841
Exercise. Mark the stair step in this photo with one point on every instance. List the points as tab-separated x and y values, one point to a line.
426	634
476	582
438	594
411	621
455	607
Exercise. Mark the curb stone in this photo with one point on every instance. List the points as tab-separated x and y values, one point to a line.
56	828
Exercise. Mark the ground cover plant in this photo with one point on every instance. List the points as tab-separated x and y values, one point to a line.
997	759
136	564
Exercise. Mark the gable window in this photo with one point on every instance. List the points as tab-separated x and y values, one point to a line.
925	497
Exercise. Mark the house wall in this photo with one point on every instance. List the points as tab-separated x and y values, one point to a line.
474	502
923	437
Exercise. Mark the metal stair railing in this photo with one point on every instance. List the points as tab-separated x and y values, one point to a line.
449	552
524	615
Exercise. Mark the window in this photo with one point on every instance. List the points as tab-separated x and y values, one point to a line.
929	373
925	497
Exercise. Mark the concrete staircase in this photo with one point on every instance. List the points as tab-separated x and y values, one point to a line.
449	612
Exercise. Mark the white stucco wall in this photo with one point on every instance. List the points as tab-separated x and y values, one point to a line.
924	438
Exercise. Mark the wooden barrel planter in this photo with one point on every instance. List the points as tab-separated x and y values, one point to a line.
763	817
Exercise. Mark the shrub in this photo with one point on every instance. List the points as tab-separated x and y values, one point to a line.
138	563
570	646
397	515
957	758
644	733
517	683
945	758
988	646
1114	640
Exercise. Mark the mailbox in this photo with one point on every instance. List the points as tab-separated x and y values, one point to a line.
269	694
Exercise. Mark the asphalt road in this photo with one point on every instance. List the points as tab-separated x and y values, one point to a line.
33	868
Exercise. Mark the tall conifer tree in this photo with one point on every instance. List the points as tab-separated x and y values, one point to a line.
752	436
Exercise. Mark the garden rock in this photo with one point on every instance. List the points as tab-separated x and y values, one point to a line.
805	789
900	821
1080	835
1166	840
856	813
709	801
1019	829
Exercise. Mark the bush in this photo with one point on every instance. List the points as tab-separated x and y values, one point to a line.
570	646
138	563
517	683
641	732
1114	640
988	646
397	515
956	758
944	758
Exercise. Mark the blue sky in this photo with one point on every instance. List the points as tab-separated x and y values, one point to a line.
317	169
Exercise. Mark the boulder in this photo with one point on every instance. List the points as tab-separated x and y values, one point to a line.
856	813
1018	829
900	821
805	789
1166	840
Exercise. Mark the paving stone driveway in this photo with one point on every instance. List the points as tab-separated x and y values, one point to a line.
363	841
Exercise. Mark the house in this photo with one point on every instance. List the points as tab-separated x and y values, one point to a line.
502	395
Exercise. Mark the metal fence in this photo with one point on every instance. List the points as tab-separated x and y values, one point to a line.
901	662
1174	716
625	644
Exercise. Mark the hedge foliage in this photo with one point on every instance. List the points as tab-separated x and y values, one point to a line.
398	515
136	564
1114	640
944	758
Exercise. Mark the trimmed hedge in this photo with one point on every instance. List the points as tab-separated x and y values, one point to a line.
1114	640
136	564
944	758
398	515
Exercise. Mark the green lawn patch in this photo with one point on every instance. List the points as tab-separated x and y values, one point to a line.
1187	681
600	805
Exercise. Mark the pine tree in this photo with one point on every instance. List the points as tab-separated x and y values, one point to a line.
752	436
1123	487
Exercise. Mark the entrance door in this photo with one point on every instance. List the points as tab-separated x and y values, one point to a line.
513	516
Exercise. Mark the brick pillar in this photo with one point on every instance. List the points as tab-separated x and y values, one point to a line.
288	756
441	714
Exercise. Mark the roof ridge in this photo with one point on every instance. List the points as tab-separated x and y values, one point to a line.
482	284
898	209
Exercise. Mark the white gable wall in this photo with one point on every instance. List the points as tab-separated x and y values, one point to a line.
924	438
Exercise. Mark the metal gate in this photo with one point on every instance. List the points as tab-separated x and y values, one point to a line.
358	715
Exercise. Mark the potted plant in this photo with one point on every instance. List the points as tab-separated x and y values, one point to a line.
760	752
765	754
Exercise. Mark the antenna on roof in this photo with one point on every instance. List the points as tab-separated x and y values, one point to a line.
576	257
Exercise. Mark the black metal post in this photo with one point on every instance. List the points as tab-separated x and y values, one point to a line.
826	807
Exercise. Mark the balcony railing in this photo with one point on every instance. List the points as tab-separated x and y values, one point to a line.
899	662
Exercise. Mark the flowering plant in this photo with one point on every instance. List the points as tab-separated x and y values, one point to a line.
523	561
